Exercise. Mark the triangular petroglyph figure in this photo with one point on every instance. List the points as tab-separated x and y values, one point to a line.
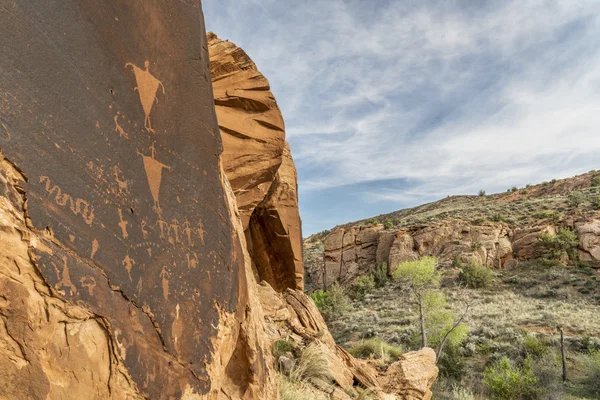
154	174
147	86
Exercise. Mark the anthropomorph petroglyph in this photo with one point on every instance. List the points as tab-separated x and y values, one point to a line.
154	174
147	86
123	224
128	264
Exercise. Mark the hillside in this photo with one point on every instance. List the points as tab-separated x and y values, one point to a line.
515	314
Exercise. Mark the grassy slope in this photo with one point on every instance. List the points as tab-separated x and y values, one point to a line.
529	300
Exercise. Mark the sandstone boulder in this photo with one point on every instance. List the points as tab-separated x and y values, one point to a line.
589	240
412	375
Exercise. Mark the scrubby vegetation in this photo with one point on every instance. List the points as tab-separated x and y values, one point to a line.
375	348
506	344
475	275
333	302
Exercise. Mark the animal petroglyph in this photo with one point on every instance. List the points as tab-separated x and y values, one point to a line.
154	174
123	188
147	87
119	129
77	206
88	282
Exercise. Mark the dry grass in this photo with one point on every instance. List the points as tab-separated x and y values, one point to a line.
311	364
376	348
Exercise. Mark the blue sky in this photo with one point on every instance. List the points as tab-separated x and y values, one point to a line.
391	104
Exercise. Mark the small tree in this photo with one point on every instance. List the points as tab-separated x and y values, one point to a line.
481	193
575	199
419	276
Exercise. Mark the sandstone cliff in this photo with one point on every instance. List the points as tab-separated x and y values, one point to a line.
259	165
124	267
496	231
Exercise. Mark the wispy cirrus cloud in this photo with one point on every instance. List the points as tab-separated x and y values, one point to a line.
392	103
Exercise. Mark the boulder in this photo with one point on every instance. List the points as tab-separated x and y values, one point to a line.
411	377
589	240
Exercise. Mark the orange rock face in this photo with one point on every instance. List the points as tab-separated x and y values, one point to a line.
258	164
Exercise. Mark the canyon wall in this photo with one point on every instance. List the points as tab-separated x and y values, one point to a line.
259	165
353	251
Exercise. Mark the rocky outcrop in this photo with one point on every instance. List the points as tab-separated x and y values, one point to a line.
258	163
589	240
293	316
358	250
355	251
123	270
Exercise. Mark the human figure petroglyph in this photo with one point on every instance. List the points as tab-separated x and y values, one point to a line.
188	232
77	206
95	247
63	277
128	264
164	274
192	260
123	224
153	170
201	231
147	87
143	225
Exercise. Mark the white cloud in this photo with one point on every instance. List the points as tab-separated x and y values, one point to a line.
453	96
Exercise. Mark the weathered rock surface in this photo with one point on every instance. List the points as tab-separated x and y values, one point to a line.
292	315
358	250
355	251
122	265
250	121
412	375
259	165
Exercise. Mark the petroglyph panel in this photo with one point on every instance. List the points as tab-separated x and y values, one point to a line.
107	108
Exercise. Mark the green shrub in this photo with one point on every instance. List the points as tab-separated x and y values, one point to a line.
514	189
591	380
535	347
377	349
452	362
388	224
333	302
506	381
481	193
280	347
596	202
545	215
380	275
553	247
596	180
361	286
475	275
575	199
